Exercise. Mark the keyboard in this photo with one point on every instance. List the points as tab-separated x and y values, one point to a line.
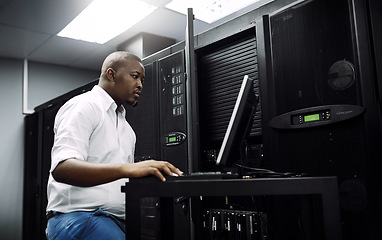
191	176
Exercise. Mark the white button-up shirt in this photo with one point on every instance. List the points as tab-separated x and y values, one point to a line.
88	128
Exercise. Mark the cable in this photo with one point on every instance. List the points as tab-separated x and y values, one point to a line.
270	173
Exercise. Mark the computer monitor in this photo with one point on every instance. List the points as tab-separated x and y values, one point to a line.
240	124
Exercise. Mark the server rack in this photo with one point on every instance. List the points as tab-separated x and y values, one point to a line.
221	67
160	122
144	117
313	56
39	139
231	46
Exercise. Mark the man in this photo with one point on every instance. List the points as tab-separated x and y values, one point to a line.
93	154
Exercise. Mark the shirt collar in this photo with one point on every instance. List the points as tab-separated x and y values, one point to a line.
107	101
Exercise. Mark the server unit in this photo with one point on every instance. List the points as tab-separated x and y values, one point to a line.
143	117
222	224
173	110
39	139
160	117
322	114
160	123
221	67
173	132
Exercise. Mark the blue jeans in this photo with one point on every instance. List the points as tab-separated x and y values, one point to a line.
85	225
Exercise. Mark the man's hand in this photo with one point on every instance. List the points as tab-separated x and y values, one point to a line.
150	167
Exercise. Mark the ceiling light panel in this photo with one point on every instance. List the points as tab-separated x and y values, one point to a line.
210	10
103	20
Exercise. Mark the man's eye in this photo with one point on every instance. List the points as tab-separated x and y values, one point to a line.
134	76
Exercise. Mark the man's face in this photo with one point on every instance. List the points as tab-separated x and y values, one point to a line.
128	82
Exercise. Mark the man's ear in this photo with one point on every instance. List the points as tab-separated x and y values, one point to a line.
110	74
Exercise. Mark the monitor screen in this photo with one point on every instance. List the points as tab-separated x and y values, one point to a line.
240	123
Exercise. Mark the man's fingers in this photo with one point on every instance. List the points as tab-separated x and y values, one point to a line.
159	169
177	171
172	169
159	175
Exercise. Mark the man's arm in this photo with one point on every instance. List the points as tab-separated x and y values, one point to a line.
85	174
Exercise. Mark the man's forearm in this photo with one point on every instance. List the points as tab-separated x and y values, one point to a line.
84	174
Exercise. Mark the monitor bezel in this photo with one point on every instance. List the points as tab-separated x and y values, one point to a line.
243	114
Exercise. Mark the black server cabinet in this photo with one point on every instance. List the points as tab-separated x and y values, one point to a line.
39	139
143	117
160	123
32	196
220	70
315	56
173	130
221	66
173	110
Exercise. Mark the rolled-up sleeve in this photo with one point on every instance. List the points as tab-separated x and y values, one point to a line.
74	124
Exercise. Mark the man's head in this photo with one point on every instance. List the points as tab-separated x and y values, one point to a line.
122	76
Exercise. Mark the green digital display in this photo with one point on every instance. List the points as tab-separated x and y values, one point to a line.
171	139
312	117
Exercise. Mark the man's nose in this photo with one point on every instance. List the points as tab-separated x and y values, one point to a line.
140	85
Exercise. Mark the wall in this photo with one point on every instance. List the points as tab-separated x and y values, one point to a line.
48	82
45	82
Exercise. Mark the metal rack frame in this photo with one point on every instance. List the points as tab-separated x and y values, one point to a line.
326	187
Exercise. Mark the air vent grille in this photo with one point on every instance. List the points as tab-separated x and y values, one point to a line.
220	73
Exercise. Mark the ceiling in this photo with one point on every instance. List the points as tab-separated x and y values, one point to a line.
28	30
